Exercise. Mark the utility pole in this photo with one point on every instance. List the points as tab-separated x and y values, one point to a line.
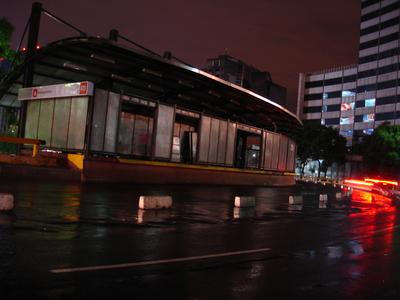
34	24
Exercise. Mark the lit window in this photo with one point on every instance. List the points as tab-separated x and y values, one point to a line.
347	120
346	133
322	121
325	96
368	118
370	102
348	93
324	108
347	106
368	131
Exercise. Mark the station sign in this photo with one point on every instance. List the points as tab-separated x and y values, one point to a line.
75	89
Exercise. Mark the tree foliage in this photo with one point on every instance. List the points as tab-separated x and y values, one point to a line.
6	30
318	142
381	150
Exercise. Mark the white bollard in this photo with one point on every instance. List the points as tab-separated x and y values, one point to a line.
155	202
243	201
293	200
6	202
323	198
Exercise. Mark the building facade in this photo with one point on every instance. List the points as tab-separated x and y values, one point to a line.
358	98
238	72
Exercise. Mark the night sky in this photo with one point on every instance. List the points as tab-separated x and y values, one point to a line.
284	37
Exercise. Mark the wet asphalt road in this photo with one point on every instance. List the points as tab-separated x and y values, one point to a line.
348	250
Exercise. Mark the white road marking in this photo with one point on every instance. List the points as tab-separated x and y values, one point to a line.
157	262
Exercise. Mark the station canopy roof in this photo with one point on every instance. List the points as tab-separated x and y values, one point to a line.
137	73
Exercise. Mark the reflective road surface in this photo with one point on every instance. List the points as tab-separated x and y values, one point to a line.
74	241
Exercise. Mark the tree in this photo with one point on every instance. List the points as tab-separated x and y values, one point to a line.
6	53
6	30
320	143
381	150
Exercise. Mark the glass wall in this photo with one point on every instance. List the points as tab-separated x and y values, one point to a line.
60	122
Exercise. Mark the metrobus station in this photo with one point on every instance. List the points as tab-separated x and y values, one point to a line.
121	114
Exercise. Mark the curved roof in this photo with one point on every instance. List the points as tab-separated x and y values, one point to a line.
115	67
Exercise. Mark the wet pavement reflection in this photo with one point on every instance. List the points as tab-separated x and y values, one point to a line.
334	249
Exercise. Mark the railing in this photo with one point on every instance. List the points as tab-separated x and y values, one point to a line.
16	140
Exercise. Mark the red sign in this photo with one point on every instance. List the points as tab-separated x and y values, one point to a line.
83	88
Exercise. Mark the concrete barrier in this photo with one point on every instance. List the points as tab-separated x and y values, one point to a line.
293	200
155	202
6	202
295	207
245	201
240	213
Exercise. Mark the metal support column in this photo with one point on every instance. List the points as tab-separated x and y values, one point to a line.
34	24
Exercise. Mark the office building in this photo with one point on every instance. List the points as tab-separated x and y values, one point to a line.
358	98
238	72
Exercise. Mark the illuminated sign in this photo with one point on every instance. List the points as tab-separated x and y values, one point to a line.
75	89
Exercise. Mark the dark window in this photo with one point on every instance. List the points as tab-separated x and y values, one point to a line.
376	27
367	73
389	38
350	78
368	58
385	116
358	118
376	56
387	84
335	94
381	40
386	100
388	69
312	109
388	53
314	122
312	84
397	114
333	121
333	81
366	88
312	97
370	15
383	11
334	107
368	3
369	44
360	103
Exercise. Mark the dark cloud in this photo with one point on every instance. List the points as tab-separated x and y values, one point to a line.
284	37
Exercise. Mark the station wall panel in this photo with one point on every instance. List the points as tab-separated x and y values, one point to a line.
275	151
32	119
230	144
217	141
283	151
164	131
223	131
213	148
125	133
291	157
205	126
99	120
59	131
268	149
60	122
77	123
46	120
110	138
